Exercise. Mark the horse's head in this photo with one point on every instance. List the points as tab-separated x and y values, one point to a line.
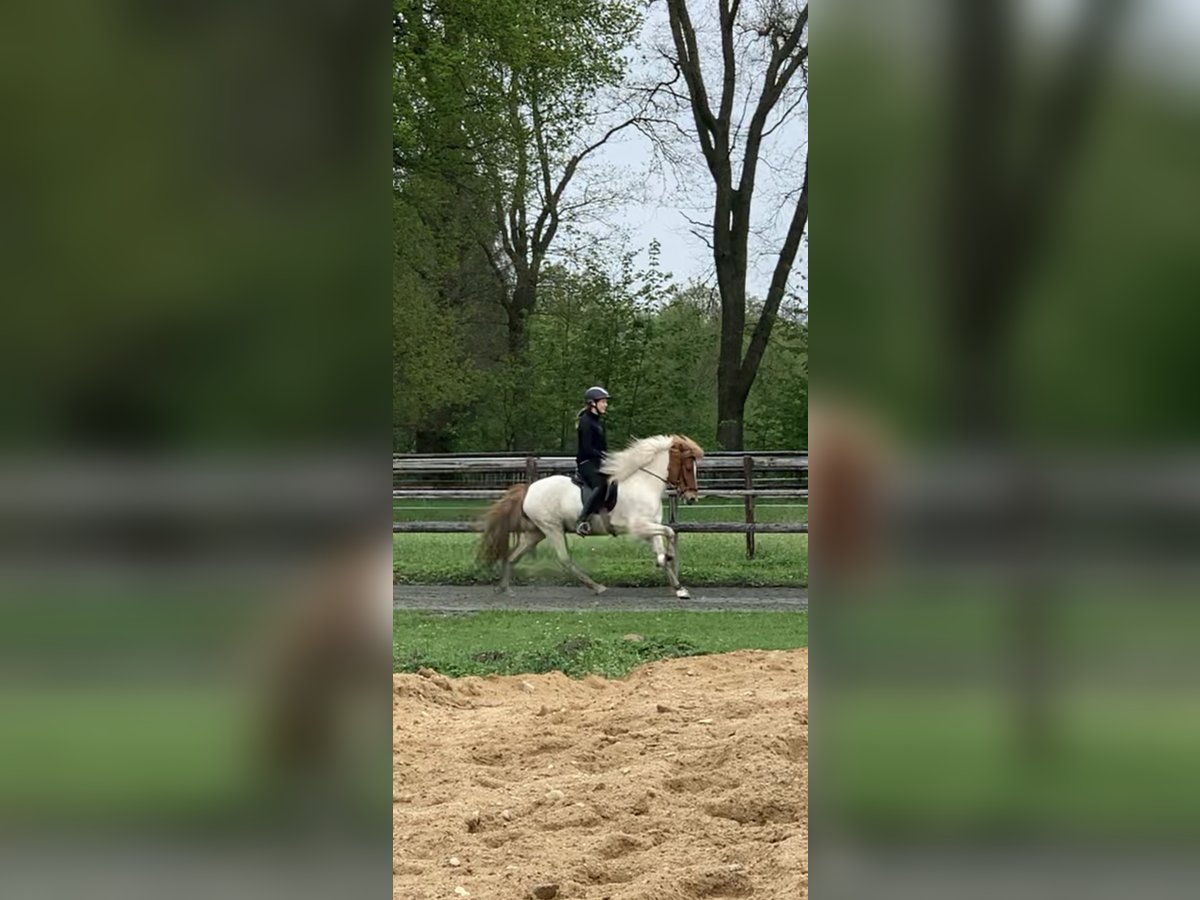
681	470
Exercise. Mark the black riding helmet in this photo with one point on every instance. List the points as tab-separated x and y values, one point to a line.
592	394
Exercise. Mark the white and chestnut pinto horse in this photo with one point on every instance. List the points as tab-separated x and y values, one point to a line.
550	507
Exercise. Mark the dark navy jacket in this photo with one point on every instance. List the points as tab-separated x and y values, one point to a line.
592	444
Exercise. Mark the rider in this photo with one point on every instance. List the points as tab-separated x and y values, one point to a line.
592	447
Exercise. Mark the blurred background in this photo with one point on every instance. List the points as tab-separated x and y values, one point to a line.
1005	460
193	561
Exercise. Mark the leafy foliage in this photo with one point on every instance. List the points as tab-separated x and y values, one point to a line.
652	344
493	345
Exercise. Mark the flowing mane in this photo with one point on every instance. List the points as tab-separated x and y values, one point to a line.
641	453
637	454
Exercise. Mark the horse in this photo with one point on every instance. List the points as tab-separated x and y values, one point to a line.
550	507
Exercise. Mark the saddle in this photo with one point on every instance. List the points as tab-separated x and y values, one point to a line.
609	502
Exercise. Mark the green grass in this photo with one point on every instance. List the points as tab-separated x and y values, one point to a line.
81	749
142	708
705	559
923	710
163	755
578	644
1115	763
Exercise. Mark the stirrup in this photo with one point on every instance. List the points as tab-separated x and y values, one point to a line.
583	529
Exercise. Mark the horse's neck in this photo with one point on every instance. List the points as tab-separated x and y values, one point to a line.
654	473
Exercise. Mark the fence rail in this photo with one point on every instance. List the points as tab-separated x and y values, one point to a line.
497	493
434	476
567	463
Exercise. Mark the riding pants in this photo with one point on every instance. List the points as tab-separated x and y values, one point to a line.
589	471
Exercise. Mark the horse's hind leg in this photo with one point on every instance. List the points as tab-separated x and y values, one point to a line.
528	540
559	541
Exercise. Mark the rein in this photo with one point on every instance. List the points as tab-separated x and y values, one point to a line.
656	475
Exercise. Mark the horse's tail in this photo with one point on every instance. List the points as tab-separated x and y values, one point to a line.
504	518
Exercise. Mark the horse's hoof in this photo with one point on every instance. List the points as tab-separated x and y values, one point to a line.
683	594
599	589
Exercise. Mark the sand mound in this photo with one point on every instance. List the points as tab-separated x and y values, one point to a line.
688	779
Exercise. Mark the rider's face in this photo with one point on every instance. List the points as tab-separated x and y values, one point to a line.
602	405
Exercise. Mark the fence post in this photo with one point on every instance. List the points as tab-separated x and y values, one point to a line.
530	469
748	469
672	508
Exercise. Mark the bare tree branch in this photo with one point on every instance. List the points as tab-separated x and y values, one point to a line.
548	219
688	60
779	279
787	55
786	115
539	137
728	15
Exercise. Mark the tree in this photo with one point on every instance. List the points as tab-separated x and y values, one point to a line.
777	408
503	102
775	31
427	336
507	92
569	52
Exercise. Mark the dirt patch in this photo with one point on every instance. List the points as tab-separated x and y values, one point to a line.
688	779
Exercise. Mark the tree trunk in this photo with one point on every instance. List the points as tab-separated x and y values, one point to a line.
731	414
731	283
518	337
433	440
730	429
519	307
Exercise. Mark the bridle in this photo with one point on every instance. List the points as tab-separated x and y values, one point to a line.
681	485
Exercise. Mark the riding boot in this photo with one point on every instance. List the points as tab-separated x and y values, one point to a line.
584	528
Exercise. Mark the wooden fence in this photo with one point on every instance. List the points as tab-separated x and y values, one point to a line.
480	476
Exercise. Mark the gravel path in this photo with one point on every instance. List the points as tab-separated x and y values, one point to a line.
471	598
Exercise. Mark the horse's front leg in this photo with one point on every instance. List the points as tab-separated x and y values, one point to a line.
664	552
672	551
673	554
663	539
